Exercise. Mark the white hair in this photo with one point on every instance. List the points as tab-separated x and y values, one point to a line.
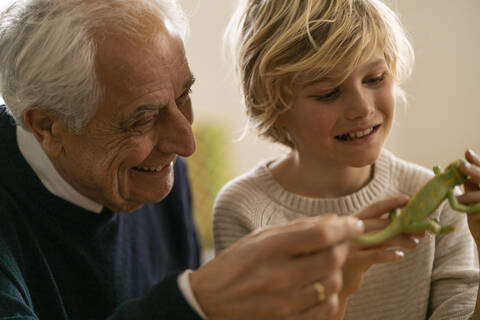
47	51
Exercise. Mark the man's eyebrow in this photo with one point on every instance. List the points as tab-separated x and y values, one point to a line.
152	108
189	83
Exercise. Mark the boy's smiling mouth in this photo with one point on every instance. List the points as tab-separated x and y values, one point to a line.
357	134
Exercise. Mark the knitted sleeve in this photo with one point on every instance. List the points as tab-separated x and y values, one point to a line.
233	211
455	274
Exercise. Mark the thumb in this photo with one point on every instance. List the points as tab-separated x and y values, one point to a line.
379	208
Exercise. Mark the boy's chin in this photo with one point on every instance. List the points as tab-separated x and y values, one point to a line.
364	161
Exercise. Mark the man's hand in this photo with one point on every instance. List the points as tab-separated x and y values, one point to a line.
270	274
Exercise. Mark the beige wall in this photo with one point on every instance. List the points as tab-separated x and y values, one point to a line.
443	114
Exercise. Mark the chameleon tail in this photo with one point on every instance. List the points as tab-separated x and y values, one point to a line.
393	229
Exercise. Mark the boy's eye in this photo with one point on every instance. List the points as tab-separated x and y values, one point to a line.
328	96
375	80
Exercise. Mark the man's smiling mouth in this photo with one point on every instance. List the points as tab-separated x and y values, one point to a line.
357	134
152	169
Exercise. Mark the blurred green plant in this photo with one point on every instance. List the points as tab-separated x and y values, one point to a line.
209	170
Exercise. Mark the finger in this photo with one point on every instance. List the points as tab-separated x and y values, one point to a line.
308	296
308	268
406	241
313	234
372	225
472	157
469	197
470	186
367	258
381	207
324	310
473	218
296	300
471	170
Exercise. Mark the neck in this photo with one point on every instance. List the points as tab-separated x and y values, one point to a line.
309	178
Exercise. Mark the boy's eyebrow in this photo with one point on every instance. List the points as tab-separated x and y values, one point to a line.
316	81
375	62
329	79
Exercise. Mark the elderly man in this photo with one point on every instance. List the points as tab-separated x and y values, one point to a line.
98	109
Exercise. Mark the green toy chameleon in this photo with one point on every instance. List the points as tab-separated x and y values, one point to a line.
411	218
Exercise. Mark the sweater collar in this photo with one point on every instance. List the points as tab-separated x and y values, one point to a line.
342	205
48	175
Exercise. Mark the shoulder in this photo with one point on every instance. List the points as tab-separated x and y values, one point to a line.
10	230
407	176
7	122
247	187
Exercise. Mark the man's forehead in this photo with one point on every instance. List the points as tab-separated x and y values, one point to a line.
134	61
153	68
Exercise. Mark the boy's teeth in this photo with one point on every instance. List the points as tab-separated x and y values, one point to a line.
360	134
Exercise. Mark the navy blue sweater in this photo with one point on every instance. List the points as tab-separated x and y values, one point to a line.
59	261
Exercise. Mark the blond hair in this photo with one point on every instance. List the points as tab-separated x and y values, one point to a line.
278	43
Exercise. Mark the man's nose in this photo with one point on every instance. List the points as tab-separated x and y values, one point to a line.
175	133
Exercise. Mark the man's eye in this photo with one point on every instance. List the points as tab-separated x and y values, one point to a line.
185	95
142	122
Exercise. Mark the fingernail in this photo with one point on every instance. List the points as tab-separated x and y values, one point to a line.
359	225
402	200
399	254
417	241
467	164
473	153
356	224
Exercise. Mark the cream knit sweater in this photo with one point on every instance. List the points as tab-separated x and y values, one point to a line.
437	280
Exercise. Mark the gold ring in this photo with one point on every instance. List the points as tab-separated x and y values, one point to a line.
320	289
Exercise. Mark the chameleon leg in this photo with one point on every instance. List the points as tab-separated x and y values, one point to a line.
461	207
437	170
391	230
430	225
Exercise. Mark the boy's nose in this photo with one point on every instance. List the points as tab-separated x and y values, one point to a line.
360	105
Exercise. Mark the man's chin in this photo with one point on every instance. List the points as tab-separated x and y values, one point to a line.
138	203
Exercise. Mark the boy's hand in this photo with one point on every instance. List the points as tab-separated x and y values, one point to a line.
471	168
362	257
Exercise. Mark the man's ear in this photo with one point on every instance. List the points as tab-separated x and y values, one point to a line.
46	127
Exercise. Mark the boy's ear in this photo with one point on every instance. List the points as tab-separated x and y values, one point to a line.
46	127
